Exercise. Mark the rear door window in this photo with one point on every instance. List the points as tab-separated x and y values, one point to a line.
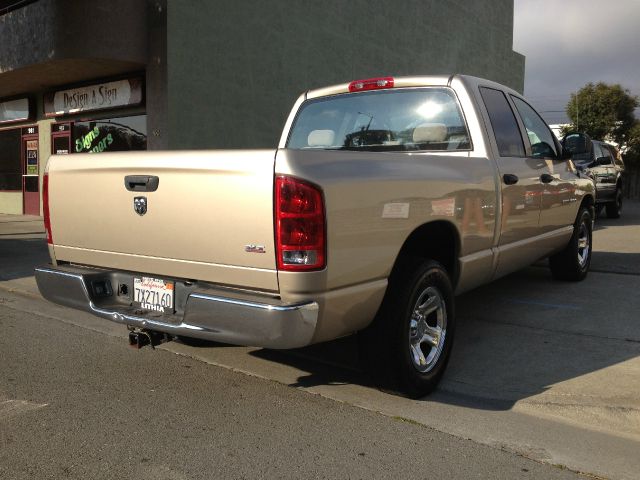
390	120
503	122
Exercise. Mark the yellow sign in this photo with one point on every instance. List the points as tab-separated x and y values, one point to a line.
32	157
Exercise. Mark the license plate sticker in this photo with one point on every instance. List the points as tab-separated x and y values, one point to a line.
153	294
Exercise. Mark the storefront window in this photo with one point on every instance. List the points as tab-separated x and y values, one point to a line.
110	135
61	145
10	160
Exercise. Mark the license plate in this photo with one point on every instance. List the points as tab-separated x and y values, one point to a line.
153	294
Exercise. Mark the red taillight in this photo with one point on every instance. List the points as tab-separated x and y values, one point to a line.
371	84
45	207
300	230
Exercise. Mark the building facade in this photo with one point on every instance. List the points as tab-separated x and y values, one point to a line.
79	76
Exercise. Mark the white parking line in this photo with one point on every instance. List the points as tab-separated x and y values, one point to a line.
11	408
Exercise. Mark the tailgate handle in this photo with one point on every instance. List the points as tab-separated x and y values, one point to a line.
141	183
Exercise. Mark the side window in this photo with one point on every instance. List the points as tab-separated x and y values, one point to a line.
606	152
616	155
503	123
540	136
597	151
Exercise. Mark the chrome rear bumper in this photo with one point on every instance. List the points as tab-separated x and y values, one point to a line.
212	314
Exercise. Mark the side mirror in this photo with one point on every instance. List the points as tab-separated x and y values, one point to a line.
577	143
603	161
565	154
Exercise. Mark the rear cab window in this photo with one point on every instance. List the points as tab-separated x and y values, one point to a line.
411	119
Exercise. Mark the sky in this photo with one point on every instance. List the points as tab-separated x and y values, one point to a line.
569	43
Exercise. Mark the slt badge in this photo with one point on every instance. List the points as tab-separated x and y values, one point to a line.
140	205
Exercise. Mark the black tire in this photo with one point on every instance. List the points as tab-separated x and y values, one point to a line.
614	209
572	263
598	210
390	346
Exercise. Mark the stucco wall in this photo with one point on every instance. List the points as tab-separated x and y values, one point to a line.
11	203
235	68
66	29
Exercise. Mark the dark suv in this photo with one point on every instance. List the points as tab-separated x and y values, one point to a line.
603	163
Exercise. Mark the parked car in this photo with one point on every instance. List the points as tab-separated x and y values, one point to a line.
603	163
384	199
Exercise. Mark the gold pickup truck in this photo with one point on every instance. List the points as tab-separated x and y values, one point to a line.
384	199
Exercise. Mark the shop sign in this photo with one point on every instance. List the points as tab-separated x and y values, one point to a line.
32	157
101	96
14	110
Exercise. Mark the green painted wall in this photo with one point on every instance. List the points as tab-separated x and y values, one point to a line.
234	68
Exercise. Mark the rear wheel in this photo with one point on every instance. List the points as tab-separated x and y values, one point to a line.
614	209
407	347
573	262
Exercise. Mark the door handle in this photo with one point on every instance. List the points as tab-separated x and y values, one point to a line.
510	178
546	178
141	183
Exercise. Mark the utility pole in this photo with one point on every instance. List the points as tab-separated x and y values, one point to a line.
577	111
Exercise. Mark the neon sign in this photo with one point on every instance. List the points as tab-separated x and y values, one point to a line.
91	143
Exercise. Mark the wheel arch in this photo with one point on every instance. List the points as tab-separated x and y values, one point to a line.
438	240
588	201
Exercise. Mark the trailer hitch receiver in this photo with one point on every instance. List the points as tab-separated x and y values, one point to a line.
139	337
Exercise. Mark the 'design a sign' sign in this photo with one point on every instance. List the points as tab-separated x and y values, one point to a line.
102	96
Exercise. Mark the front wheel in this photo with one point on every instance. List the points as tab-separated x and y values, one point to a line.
407	347
573	262
614	209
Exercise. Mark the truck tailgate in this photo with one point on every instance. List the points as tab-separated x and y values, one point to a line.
210	218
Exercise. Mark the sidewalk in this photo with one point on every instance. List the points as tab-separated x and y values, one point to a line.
21	226
22	247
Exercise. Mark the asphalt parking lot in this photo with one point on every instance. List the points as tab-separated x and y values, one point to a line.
545	369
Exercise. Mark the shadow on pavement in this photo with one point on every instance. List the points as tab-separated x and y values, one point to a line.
521	335
18	257
629	216
515	339
616	262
